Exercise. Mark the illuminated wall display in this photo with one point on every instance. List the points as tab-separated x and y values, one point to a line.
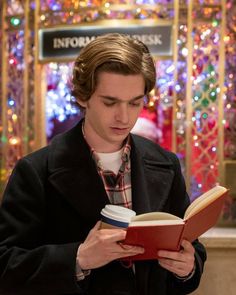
193	105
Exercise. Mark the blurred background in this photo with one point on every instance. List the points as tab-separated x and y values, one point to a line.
192	110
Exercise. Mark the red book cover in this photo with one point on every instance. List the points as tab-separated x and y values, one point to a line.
168	234
203	220
153	238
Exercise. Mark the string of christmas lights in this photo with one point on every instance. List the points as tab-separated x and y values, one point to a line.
205	86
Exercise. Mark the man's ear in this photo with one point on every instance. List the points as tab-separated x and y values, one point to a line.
82	103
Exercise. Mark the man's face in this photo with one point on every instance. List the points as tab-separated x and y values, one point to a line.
112	110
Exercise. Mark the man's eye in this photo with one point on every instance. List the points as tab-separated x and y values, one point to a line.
135	103
109	104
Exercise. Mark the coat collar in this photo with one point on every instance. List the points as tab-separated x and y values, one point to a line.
152	175
73	173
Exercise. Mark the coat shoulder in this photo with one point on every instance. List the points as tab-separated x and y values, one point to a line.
152	150
36	161
39	156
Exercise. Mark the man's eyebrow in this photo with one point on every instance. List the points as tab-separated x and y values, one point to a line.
112	98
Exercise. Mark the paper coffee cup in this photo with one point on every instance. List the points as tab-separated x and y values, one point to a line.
114	216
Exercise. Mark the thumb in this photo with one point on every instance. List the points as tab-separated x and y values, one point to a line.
96	227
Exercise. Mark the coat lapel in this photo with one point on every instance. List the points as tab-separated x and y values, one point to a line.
152	176
74	175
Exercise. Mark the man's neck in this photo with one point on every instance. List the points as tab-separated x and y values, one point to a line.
98	144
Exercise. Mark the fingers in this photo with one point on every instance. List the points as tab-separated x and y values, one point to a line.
103	246
113	240
130	250
178	268
97	225
99	250
187	246
110	235
180	263
187	249
95	228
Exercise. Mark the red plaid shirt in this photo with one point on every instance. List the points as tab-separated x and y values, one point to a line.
118	187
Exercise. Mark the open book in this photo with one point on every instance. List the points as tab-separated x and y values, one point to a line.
163	231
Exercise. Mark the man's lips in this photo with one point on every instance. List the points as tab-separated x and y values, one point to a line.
120	130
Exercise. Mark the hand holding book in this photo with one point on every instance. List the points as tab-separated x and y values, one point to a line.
163	231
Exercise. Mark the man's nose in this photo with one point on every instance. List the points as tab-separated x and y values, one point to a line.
122	114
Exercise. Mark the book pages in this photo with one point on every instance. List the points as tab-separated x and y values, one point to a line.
205	199
154	216
156	222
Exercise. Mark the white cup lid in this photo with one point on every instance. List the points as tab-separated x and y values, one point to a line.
118	213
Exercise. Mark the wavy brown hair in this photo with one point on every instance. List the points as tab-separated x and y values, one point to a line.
112	53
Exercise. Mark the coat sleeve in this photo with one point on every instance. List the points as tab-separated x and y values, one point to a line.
179	201
27	266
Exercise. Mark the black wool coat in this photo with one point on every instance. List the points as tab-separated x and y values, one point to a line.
54	197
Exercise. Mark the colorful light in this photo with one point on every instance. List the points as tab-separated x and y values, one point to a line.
213	149
15	21
11	102
14	141
205	88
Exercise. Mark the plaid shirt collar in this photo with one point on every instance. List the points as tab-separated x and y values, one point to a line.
125	157
117	186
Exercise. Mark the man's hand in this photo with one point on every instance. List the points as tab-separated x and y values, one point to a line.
102	246
180	263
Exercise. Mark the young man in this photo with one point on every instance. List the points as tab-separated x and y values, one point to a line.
50	241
